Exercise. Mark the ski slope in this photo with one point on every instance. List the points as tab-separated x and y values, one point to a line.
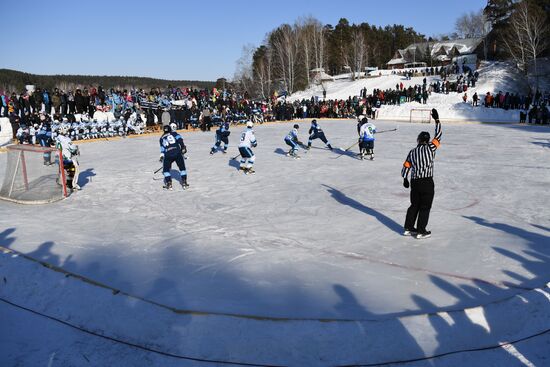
302	264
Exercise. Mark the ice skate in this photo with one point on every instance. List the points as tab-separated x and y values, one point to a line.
422	235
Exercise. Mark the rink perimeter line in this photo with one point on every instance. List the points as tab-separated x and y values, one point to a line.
61	296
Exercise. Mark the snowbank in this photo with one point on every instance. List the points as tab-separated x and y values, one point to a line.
6	133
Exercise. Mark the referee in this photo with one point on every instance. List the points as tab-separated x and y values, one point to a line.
420	162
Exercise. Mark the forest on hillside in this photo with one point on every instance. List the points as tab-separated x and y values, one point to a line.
15	81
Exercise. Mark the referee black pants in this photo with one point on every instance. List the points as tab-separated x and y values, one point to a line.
422	195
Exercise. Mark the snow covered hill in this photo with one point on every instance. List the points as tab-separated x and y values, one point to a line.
494	77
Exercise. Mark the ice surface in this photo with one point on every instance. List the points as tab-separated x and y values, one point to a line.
315	238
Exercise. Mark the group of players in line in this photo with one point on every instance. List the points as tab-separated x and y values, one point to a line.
172	147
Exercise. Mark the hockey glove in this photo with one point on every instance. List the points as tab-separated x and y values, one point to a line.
405	183
184	150
161	158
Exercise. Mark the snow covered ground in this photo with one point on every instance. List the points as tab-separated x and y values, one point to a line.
493	77
301	264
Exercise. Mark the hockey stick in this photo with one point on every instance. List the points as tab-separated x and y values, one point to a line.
386	131
351	146
157	170
235	157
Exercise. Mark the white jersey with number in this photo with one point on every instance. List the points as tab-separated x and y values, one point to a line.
65	144
367	131
248	139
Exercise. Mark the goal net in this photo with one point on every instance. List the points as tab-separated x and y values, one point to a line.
34	175
420	115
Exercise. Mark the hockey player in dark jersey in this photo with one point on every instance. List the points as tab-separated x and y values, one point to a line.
222	135
315	132
172	149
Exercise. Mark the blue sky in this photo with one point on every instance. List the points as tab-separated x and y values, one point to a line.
199	40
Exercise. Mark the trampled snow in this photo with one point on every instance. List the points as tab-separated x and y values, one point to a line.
302	264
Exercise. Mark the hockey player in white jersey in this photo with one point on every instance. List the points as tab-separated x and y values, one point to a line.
291	139
366	139
246	143
69	151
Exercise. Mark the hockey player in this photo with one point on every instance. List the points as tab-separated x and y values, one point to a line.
222	135
172	149
248	140
69	151
23	134
360	121
316	132
292	140
44	136
366	139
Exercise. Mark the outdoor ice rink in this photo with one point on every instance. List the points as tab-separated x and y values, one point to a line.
303	263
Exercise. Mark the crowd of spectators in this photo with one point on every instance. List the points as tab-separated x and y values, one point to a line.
91	112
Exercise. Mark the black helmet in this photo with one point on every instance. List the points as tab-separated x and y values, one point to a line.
423	137
296	126
314	122
166	128
364	120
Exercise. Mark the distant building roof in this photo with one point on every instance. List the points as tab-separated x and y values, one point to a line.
319	75
441	51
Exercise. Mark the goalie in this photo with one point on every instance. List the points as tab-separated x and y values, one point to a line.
69	151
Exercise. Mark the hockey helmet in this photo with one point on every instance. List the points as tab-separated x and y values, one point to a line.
166	128
173	126
296	126
423	137
360	118
364	120
63	130
249	124
314	122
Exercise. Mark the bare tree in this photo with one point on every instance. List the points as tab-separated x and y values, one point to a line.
285	46
318	38
357	52
243	74
527	36
262	71
304	29
471	24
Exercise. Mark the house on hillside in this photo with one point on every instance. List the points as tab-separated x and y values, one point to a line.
319	76
438	53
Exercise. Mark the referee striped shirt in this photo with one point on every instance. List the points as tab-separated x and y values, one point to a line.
420	160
